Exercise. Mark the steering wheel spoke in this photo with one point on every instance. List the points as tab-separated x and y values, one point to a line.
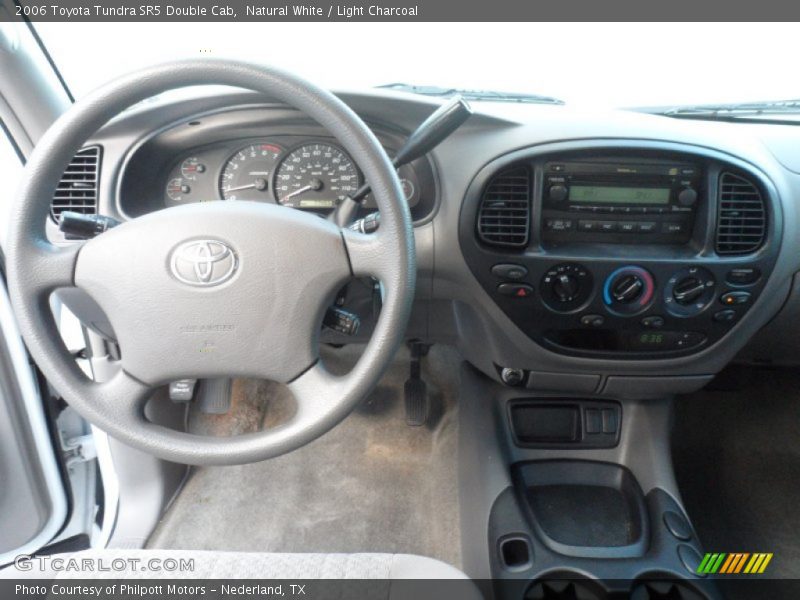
368	254
124	397
50	267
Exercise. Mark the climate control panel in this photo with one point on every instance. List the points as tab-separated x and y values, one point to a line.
605	308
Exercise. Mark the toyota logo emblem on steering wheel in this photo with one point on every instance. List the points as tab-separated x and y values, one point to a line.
203	263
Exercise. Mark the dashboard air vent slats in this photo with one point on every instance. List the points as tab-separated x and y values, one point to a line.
77	190
504	215
741	218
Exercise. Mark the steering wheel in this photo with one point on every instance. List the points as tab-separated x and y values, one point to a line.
218	289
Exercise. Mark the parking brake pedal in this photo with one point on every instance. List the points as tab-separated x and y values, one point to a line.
214	396
418	406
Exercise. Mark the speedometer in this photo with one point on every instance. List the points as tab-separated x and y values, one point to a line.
315	176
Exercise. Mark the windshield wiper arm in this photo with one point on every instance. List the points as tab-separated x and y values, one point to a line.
477	95
727	111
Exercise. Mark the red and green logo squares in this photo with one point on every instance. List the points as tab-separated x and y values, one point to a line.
734	563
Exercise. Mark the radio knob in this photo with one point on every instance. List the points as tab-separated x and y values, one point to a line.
565	288
687	196
558	193
688	290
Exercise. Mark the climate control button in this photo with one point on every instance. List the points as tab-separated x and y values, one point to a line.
628	290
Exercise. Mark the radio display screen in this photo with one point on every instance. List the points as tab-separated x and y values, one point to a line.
618	195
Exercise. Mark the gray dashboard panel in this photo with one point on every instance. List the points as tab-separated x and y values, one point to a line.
460	310
479	321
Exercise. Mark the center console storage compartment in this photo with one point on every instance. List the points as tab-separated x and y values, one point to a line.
564	422
584	508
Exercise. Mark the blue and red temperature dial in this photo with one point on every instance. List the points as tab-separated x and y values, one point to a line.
629	290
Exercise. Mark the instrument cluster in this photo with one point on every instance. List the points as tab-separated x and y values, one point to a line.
313	174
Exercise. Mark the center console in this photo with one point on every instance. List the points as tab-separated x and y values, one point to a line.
621	252
615	257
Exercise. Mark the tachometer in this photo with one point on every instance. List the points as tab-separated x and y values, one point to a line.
315	176
247	173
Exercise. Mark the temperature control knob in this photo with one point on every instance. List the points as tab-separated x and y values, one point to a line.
689	291
628	290
566	287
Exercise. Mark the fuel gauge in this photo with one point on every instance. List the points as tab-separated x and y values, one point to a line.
178	189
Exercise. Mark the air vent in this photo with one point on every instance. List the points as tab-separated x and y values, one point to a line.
77	190
504	215
742	219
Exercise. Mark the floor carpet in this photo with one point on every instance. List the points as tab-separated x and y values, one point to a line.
372	484
736	448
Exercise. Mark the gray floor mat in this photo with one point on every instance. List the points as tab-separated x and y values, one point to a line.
737	459
372	484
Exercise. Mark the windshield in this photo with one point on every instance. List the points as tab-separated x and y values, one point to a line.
597	64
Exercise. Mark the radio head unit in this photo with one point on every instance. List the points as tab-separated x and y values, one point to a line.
620	201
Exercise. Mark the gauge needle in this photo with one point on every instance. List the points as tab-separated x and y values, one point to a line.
315	185
259	184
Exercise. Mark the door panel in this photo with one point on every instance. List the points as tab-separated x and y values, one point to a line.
33	504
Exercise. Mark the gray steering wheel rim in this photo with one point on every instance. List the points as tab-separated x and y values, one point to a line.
36	268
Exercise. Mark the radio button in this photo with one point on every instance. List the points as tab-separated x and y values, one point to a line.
646	226
628	226
608	226
687	197
558	193
559	224
673	227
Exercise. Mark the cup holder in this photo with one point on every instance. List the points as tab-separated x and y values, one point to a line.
584	508
655	586
571	585
566	585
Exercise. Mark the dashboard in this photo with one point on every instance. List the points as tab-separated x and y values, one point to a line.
602	253
232	156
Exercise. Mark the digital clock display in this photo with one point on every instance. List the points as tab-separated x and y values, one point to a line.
651	339
598	194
